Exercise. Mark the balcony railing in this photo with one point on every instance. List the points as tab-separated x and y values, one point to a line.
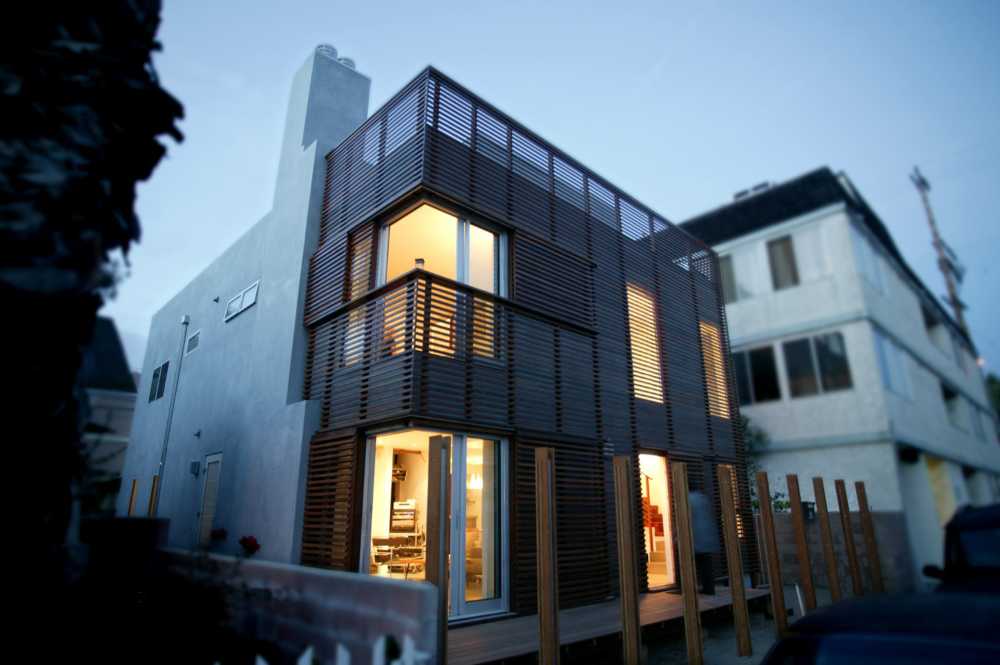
427	345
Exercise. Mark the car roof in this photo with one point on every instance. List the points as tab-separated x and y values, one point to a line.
966	616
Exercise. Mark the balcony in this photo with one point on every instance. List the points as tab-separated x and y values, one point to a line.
425	345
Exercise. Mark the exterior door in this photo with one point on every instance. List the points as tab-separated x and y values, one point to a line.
396	513
656	521
209	498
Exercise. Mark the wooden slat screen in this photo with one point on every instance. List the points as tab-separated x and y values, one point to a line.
333	495
556	356
580	524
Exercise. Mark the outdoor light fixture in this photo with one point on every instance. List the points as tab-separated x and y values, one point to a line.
809	510
195	468
475	482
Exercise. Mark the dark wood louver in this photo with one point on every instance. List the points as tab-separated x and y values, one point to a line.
329	520
580	524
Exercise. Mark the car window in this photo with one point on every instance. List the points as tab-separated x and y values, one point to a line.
981	547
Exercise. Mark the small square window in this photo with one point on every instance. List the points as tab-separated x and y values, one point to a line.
193	341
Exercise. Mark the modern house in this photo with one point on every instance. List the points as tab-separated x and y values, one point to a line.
847	360
110	389
436	274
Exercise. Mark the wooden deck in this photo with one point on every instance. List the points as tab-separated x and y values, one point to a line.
506	638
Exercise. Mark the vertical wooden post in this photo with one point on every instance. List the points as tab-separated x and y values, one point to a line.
438	528
627	574
773	557
826	535
734	562
845	523
545	538
801	546
871	545
689	581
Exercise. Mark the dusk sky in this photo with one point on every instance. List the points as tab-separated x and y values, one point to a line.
679	104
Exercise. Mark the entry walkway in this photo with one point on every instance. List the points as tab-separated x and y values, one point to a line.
506	638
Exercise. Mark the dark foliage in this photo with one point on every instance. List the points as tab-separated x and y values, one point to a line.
82	113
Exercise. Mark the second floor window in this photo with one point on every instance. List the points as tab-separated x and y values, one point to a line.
756	376
781	256
647	382
444	244
817	364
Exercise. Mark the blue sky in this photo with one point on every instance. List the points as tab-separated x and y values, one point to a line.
680	104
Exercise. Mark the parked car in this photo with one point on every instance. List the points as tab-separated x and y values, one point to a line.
971	552
955	628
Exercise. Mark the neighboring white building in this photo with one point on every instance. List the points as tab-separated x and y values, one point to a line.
847	361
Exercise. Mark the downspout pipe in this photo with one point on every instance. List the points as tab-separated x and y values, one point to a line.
185	322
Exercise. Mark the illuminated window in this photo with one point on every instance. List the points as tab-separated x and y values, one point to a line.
446	245
715	370
642	329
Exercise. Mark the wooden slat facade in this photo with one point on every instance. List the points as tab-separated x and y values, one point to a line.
549	365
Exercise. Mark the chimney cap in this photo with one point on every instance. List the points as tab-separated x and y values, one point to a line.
347	62
328	50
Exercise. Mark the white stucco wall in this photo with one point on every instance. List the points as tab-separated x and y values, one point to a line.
240	392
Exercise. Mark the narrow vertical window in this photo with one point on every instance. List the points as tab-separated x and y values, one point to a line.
647	382
154	384
729	293
799	365
163	380
742	378
764	375
715	370
781	255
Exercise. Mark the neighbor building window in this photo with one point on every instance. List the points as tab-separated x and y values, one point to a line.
893	365
756	376
647	382
977	421
781	255
817	364
715	370
159	383
242	301
728	278
456	248
952	405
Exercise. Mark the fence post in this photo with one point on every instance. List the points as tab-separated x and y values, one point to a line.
546	559
438	528
802	547
826	534
627	573
871	545
734	562
773	558
689	581
852	553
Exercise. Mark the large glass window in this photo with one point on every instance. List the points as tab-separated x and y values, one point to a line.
756	376
448	245
893	364
657	533
817	364
397	511
647	382
799	365
781	255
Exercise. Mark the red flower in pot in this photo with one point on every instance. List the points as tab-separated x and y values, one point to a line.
249	545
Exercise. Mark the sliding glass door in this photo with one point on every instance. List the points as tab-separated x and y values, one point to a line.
394	538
